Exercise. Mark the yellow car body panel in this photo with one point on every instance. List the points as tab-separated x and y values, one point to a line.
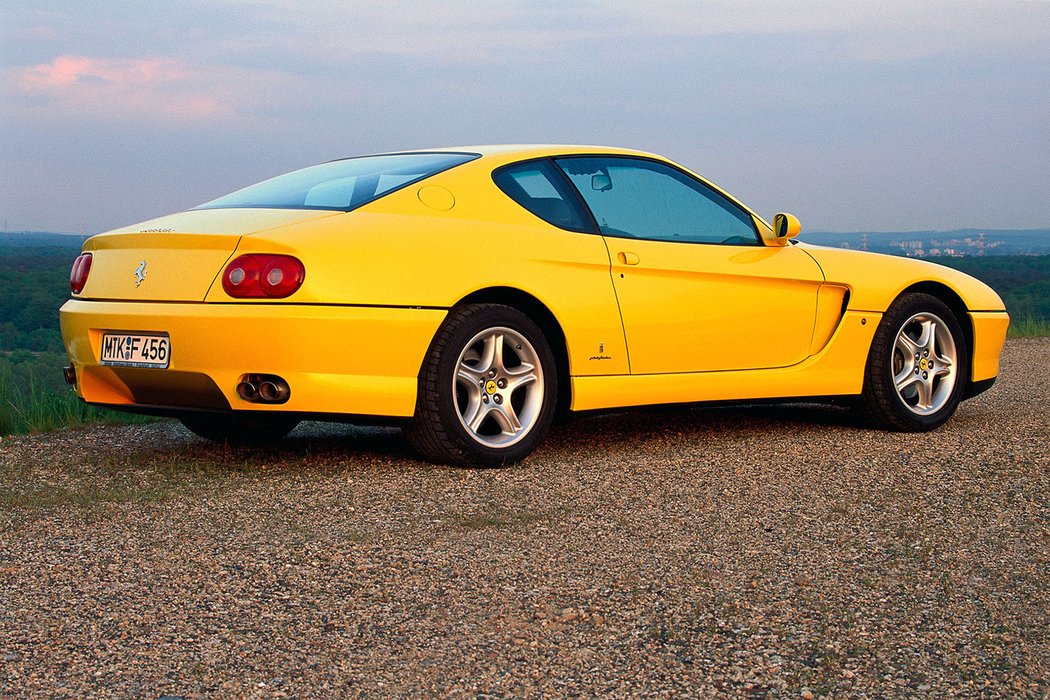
328	354
699	308
830	308
562	270
125	265
875	280
989	333
485	241
832	372
644	322
180	254
236	222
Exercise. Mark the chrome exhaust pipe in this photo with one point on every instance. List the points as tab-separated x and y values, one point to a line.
70	375
247	391
263	388
274	391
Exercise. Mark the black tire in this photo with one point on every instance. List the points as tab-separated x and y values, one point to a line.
439	430
239	430
930	390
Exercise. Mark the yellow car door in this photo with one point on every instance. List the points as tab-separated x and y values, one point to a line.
697	289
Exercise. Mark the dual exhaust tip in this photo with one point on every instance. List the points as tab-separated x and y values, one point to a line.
263	388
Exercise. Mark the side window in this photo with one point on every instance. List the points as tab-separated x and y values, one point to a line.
636	198
540	188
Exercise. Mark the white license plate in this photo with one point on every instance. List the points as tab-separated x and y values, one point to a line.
135	350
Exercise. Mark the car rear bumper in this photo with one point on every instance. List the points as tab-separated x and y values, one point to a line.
335	359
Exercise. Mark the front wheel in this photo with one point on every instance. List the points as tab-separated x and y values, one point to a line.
487	389
917	367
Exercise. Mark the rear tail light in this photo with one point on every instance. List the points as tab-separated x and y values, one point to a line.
257	276
79	274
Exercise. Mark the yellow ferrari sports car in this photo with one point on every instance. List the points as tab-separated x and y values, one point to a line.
471	294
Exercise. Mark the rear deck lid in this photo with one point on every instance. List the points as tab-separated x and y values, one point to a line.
175	257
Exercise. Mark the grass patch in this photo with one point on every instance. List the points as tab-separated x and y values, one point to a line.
31	408
1029	327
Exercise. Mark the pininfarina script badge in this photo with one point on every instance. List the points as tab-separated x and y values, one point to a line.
140	273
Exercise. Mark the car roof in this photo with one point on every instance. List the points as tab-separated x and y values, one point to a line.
496	155
524	151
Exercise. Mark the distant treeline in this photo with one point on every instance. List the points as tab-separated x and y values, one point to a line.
963	242
33	395
1023	281
39	239
35	284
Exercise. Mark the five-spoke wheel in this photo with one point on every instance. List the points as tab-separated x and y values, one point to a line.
924	360
916	369
487	388
499	387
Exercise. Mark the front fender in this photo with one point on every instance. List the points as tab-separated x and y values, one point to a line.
875	280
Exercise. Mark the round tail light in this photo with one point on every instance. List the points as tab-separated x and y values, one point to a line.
79	274
259	276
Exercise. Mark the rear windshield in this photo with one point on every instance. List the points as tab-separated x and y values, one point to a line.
340	185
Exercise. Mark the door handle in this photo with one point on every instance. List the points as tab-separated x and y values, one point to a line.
627	258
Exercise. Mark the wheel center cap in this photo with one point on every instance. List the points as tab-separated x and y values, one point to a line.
490	387
924	364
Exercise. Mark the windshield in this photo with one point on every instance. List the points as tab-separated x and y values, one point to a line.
340	185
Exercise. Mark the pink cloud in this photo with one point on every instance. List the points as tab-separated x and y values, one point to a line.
148	86
68	70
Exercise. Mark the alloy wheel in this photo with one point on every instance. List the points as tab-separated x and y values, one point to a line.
924	363
498	387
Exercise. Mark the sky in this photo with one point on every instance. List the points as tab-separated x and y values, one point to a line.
887	115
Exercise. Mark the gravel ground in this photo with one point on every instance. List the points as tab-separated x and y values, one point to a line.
750	552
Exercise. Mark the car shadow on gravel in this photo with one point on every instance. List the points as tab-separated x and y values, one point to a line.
720	418
316	441
351	446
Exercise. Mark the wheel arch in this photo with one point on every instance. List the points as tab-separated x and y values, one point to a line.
545	319
958	307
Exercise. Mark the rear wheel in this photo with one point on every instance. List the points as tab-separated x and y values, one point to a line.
239	430
917	367
487	389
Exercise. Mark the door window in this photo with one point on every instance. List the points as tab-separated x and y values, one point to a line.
638	198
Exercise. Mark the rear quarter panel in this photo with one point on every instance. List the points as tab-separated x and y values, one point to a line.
398	251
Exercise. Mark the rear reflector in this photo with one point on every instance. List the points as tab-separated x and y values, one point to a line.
258	276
